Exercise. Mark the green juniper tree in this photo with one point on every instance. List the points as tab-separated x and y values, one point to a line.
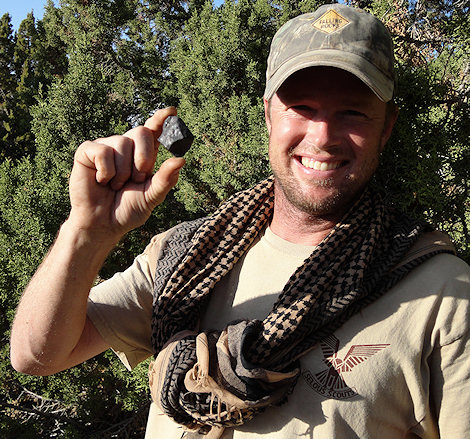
425	168
36	57
219	71
95	97
7	81
92	68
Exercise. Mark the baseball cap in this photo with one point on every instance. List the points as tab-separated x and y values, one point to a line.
334	35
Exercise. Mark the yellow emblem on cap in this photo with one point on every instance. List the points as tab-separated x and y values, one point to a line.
330	22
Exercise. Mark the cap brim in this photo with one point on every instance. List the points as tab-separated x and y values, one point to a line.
379	83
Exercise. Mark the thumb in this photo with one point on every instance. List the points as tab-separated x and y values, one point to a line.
155	122
164	180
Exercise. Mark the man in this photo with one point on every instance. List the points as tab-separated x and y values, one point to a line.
303	307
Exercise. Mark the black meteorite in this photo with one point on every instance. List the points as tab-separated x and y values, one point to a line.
176	136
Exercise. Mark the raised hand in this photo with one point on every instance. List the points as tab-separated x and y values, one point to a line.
112	189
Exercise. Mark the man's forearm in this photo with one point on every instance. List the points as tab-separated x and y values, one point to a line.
51	317
112	190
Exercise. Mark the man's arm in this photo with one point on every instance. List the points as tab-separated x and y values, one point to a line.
112	191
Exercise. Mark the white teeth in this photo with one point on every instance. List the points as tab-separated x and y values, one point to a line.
319	166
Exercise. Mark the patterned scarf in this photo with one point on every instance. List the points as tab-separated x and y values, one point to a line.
214	379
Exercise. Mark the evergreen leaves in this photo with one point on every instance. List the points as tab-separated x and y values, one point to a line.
93	68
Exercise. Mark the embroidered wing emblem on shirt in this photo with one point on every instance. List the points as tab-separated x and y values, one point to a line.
330	382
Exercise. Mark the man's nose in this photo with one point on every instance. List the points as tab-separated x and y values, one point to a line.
322	133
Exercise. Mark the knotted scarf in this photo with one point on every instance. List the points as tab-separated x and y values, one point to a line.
211	380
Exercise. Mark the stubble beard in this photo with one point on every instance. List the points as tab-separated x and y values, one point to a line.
336	203
287	188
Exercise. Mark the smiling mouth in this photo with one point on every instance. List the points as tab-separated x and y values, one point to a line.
319	165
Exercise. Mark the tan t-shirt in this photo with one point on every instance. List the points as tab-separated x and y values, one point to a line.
398	369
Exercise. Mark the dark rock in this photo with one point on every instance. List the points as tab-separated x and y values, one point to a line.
176	136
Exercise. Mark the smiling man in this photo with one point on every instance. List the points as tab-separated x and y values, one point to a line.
303	307
325	142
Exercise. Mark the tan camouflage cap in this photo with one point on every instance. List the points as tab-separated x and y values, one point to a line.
337	36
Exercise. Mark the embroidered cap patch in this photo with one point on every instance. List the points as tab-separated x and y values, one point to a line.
330	22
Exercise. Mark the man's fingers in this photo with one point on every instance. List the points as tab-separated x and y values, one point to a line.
117	159
163	180
145	153
146	145
123	153
99	157
155	122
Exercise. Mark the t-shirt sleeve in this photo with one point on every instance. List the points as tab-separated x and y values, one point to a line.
451	388
121	308
450	362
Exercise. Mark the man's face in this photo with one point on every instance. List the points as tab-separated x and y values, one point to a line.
327	129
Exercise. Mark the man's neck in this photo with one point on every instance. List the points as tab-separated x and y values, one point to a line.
300	227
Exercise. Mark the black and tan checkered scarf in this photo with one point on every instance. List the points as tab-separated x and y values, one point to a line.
216	379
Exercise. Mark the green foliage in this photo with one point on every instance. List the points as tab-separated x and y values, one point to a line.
93	68
98	399
220	99
425	168
35	58
7	47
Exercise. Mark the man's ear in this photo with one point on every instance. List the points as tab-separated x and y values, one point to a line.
267	113
390	119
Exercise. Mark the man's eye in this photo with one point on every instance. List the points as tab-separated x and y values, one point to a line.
353	113
301	108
